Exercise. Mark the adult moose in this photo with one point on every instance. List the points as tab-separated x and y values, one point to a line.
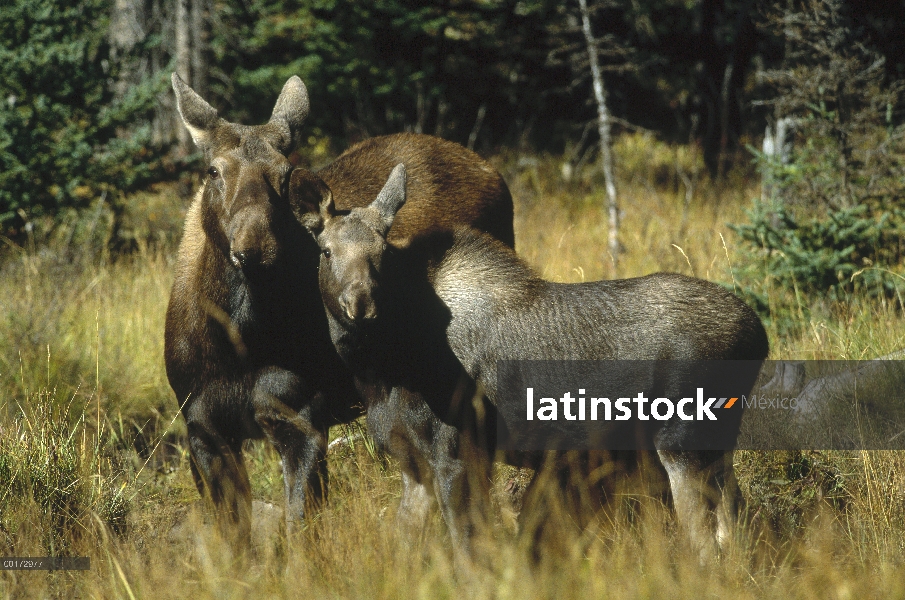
247	347
466	295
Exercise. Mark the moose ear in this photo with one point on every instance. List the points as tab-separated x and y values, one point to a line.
200	118
290	112
391	198
313	222
307	192
327	207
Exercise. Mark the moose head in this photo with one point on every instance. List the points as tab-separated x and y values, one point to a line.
353	246
245	197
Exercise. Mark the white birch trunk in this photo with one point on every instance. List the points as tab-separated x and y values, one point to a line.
199	42
183	63
603	127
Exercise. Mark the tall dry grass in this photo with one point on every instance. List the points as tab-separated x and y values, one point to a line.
93	460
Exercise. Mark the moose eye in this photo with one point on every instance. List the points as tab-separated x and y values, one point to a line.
327	253
213	173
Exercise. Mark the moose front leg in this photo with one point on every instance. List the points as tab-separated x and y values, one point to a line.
415	504
301	444
461	465
462	485
220	476
432	455
404	434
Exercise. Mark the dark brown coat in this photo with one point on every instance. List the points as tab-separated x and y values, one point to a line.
247	346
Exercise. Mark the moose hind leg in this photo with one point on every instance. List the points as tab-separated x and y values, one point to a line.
414	506
727	511
704	494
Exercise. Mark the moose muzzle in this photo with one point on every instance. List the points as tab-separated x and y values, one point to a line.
357	302
253	244
242	259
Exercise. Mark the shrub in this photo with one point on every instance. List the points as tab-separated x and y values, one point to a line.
65	137
830	254
831	209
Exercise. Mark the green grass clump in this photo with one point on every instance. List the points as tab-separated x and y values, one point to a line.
58	482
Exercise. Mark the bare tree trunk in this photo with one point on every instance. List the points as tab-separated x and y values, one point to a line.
724	121
199	43
126	31
442	109
163	119
777	150
127	28
603	127
473	136
421	108
183	62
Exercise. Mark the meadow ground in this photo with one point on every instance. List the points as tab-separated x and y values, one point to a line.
93	460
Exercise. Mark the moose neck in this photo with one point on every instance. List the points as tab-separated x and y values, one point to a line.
405	344
481	282
277	312
480	277
409	313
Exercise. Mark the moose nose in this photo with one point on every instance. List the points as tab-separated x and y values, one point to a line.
357	305
243	259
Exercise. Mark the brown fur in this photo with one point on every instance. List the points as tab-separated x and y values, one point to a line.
247	346
449	184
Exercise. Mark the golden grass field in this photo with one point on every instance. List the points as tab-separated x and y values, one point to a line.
93	460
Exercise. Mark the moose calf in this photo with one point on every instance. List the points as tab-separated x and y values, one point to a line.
455	302
247	347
